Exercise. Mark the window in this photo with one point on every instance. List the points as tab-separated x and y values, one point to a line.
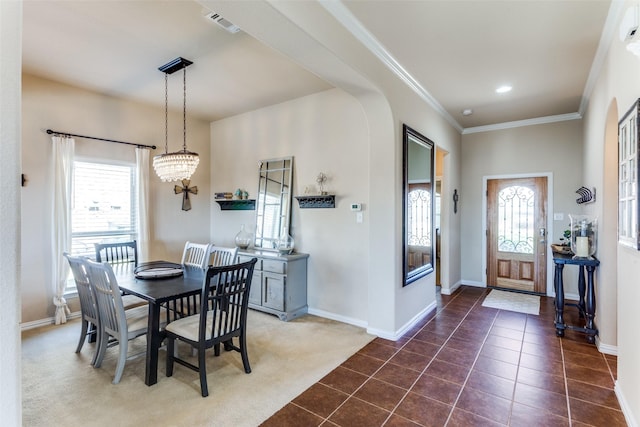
628	178
103	207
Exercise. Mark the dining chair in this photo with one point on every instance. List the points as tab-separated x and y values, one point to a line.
88	307
195	255
117	252
219	255
223	316
121	256
115	322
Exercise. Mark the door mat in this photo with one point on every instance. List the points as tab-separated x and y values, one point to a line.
513	301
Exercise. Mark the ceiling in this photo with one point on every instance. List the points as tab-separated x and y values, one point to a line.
458	52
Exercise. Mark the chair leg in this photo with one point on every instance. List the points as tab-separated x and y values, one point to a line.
170	355
98	342
202	369
243	352
122	359
103	343
83	335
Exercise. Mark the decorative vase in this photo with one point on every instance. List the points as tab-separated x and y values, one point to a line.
285	243
584	235
243	238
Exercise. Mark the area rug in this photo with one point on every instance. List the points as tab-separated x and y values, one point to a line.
513	301
61	388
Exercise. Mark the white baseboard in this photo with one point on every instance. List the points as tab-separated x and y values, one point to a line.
450	290
395	336
624	405
606	348
339	318
45	322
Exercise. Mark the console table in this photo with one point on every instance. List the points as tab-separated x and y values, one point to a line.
587	303
279	284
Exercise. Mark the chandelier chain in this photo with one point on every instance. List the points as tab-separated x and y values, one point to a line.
184	108
166	115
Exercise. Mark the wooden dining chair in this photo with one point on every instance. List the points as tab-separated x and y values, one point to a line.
219	255
88	308
195	255
115	322
117	252
223	316
121	256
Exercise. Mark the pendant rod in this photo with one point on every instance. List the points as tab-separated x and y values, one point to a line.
55	132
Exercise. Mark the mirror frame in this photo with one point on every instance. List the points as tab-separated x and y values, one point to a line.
410	136
285	217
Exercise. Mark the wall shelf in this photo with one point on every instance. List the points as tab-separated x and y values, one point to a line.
237	205
326	201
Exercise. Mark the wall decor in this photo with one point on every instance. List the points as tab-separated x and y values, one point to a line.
628	168
586	195
185	190
455	201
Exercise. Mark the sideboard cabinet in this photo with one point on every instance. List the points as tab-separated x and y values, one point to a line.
279	284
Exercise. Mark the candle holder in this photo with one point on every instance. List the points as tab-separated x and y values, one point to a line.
584	235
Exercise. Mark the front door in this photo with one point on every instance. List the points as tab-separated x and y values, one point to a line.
516	233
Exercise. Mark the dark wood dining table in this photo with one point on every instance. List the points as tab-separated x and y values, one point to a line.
161	293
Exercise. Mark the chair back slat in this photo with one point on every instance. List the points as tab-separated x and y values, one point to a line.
108	297
219	255
195	255
117	253
224	300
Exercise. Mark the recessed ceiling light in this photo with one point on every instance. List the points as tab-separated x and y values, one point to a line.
467	112
504	89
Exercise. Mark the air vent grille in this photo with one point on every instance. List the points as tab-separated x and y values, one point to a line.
224	23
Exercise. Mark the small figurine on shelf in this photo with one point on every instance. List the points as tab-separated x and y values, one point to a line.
245	195
321	179
238	194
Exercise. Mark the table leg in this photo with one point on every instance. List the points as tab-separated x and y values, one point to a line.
581	291
590	306
153	345
559	289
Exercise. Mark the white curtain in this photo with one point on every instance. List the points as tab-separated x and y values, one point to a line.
63	149
142	181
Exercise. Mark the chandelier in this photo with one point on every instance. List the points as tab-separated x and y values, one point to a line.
180	164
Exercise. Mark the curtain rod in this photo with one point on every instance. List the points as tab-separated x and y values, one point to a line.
55	132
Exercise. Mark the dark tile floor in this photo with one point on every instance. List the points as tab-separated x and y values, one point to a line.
467	365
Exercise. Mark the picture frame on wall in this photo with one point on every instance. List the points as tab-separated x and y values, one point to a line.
628	170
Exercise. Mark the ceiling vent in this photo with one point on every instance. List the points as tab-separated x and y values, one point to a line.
224	23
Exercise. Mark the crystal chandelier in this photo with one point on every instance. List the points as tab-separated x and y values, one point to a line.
180	164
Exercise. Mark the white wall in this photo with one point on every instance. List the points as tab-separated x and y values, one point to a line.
554	148
616	89
10	365
47	104
325	132
306	33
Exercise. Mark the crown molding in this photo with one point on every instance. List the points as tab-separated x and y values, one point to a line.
355	27
520	123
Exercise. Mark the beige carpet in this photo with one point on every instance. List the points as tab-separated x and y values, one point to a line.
513	301
62	388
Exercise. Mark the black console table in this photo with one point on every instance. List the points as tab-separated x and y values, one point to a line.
587	303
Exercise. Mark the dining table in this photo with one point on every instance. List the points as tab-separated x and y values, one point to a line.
169	294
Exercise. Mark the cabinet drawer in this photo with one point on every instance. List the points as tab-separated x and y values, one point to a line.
245	258
274	266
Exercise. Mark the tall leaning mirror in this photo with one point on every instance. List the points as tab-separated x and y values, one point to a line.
418	205
273	201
